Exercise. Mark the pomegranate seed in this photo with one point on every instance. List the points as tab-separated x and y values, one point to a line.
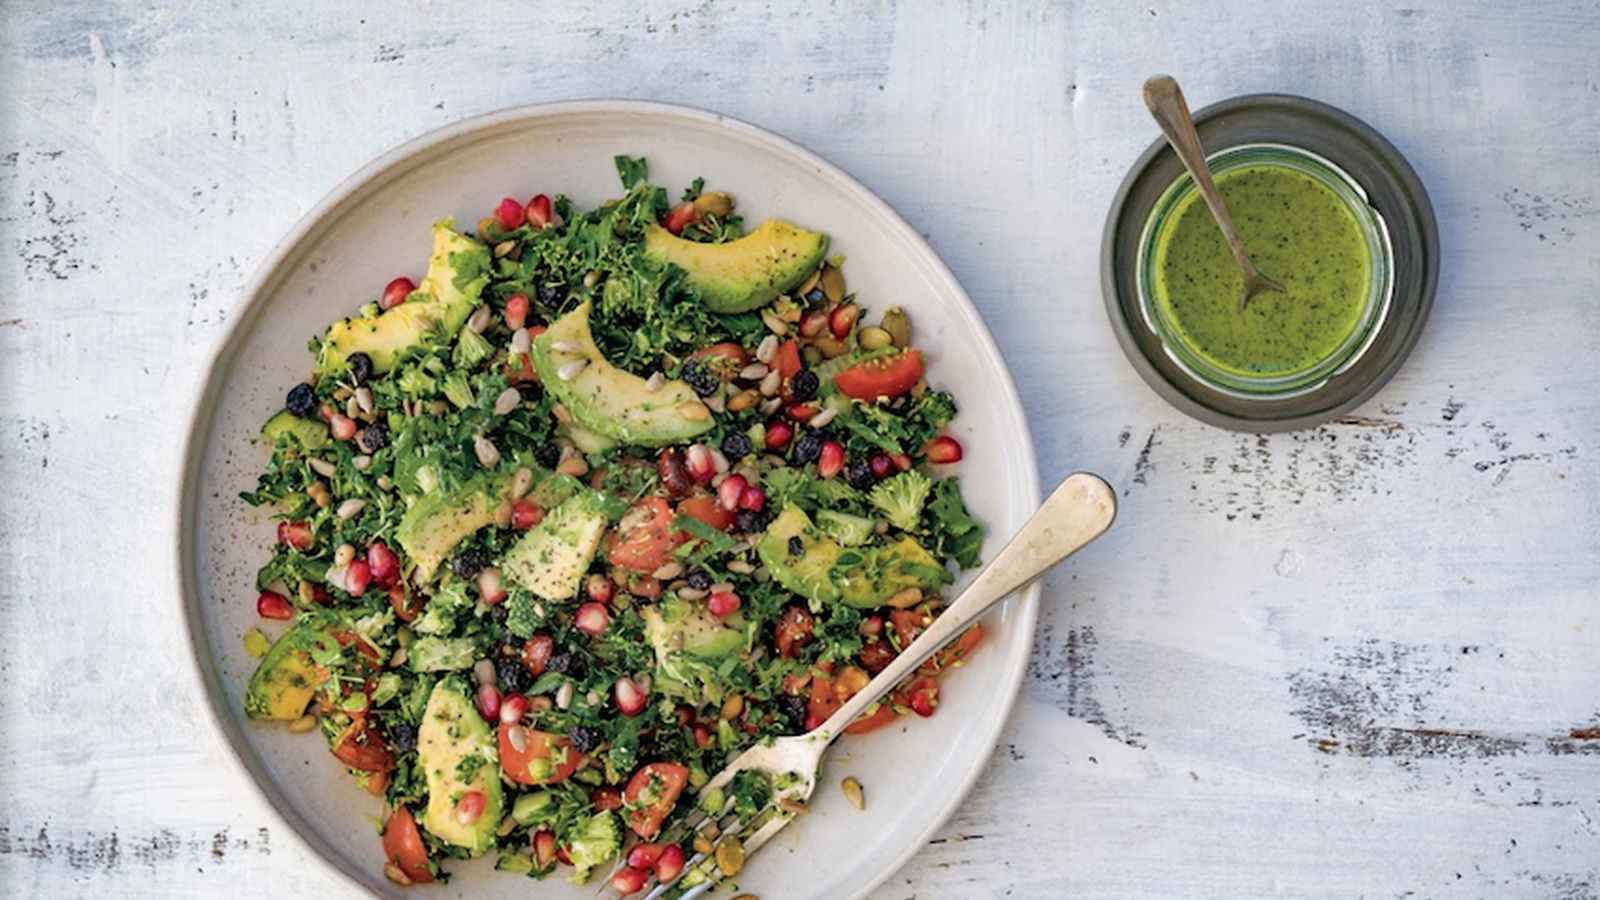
731	491
644	856
592	619
882	465
669	865
630	700
872	625
679	218
295	534
471	807
702	735
629	880
831	461
516	311
525	514
753	499
942	449
325	412
902	462
802	412
489	586
537	651
564	857
674	476
812	323
357	577
512	708
544	848
607	798
343	427
320	595
385	565
510	214
600	588
842	319
539	212
699	464
489	701
723	603
925	701
778	434
273	605
396	292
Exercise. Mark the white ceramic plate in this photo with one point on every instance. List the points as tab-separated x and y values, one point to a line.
376	227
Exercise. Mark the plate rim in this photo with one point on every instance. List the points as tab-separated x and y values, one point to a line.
226	729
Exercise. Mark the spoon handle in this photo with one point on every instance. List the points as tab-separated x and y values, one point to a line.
1165	100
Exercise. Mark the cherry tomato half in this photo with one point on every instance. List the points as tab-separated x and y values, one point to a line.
402	845
886	376
651	794
648	545
545	758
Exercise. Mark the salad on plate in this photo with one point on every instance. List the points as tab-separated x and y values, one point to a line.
606	497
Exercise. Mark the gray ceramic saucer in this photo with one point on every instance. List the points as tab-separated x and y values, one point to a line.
1393	189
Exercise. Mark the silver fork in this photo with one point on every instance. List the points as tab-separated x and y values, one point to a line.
1077	512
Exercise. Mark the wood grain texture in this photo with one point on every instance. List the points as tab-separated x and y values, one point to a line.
1354	661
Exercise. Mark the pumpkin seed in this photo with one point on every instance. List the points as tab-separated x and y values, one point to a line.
695	412
730	856
852	792
874	338
898	326
833	284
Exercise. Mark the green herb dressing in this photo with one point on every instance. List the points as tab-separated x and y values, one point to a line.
1299	233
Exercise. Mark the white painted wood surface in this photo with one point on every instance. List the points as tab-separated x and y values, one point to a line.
1357	661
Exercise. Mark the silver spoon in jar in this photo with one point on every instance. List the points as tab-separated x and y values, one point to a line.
1165	100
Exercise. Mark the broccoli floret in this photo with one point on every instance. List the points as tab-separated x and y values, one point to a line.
444	608
471	348
523	614
900	498
432	654
595	842
457	389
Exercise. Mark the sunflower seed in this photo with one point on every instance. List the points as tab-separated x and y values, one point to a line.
668	571
361	463
479	320
519	342
364	399
570	370
521	482
344	555
852	792
767	349
754	371
824	417
770	383
774	324
655	382
488	454
566	346
350	508
507	401
695	412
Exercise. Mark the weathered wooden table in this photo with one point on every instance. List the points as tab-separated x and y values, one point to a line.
1361	660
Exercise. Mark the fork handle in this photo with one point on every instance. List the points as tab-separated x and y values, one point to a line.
1077	512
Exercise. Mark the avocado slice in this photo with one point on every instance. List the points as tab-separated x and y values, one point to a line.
606	399
683	634
308	433
864	578
552	556
807	572
744	274
286	678
458	754
436	522
458	270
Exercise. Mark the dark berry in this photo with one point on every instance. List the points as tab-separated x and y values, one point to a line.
860	476
531	391
548	455
302	400
551	293
803	386
699	579
749	521
737	445
699	377
403	736
514	676
585	738
808	449
564	662
796	546
374	437
468	563
360	367
796	709
498	613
